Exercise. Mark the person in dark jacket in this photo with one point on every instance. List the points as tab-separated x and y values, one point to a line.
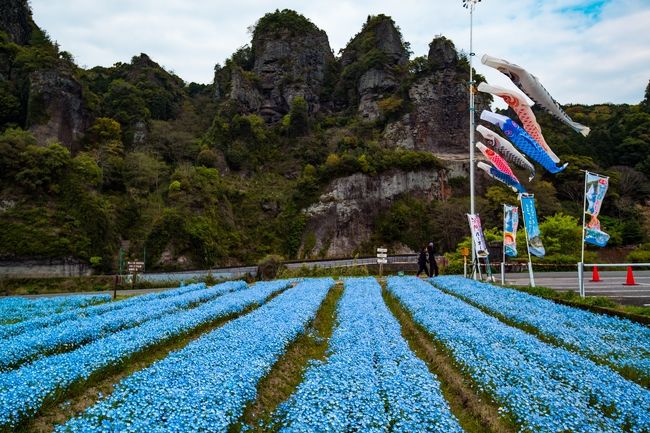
422	262
433	266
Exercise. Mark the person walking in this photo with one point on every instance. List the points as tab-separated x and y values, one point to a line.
422	262
433	266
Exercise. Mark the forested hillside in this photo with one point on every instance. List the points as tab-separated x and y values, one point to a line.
292	150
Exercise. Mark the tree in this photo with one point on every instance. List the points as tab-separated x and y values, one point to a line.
561	238
42	168
143	172
645	104
298	117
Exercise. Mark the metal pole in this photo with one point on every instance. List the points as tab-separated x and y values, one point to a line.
503	249
582	248
471	121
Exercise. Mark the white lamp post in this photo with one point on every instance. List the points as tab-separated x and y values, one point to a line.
471	4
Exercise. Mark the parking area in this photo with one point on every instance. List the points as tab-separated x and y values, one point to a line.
611	284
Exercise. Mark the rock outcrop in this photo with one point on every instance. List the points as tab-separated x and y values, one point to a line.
56	107
290	59
372	61
343	217
16	20
439	119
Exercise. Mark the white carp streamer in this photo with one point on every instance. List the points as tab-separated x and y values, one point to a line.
518	103
530	85
506	149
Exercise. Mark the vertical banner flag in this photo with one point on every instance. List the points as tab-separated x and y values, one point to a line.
510	223
477	235
531	225
595	189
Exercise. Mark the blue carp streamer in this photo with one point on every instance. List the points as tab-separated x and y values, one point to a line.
520	138
501	176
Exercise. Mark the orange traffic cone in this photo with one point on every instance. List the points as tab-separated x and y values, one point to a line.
630	278
595	277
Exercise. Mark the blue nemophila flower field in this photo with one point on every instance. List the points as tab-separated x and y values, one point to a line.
23	391
617	342
72	333
545	388
17	309
371	381
94	311
205	386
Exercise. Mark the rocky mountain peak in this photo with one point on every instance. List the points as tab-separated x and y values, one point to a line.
442	53
371	63
290	56
438	97
16	20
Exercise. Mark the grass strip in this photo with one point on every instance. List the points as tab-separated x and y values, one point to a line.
287	373
628	373
476	412
83	394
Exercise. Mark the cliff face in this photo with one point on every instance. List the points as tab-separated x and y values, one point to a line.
343	218
373	63
289	60
16	20
439	119
56	108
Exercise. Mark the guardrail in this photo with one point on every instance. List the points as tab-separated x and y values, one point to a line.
582	266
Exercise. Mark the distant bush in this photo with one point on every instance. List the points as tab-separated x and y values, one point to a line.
269	267
287	20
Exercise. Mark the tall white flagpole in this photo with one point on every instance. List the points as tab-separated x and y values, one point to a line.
471	4
581	271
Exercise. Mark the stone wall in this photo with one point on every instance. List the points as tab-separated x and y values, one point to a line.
43	268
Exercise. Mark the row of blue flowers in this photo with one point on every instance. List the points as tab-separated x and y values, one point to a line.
73	333
544	388
95	310
205	386
16	309
370	381
25	390
614	341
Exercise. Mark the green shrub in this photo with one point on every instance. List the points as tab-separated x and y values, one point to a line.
269	267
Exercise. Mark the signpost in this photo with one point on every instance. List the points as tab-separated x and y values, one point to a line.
465	252
382	258
134	268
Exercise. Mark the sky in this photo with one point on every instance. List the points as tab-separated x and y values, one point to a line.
582	51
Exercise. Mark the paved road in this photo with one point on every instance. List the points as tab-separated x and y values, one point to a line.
611	285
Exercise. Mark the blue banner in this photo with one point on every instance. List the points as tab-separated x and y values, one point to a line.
595	189
510	223
531	225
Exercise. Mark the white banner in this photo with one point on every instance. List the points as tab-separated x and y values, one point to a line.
477	235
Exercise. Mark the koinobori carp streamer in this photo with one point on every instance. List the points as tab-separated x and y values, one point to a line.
526	116
506	149
522	140
530	85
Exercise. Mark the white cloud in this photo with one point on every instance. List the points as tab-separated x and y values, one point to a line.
580	58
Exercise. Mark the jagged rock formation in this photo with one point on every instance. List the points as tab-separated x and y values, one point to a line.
342	220
373	63
16	20
289	60
439	118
